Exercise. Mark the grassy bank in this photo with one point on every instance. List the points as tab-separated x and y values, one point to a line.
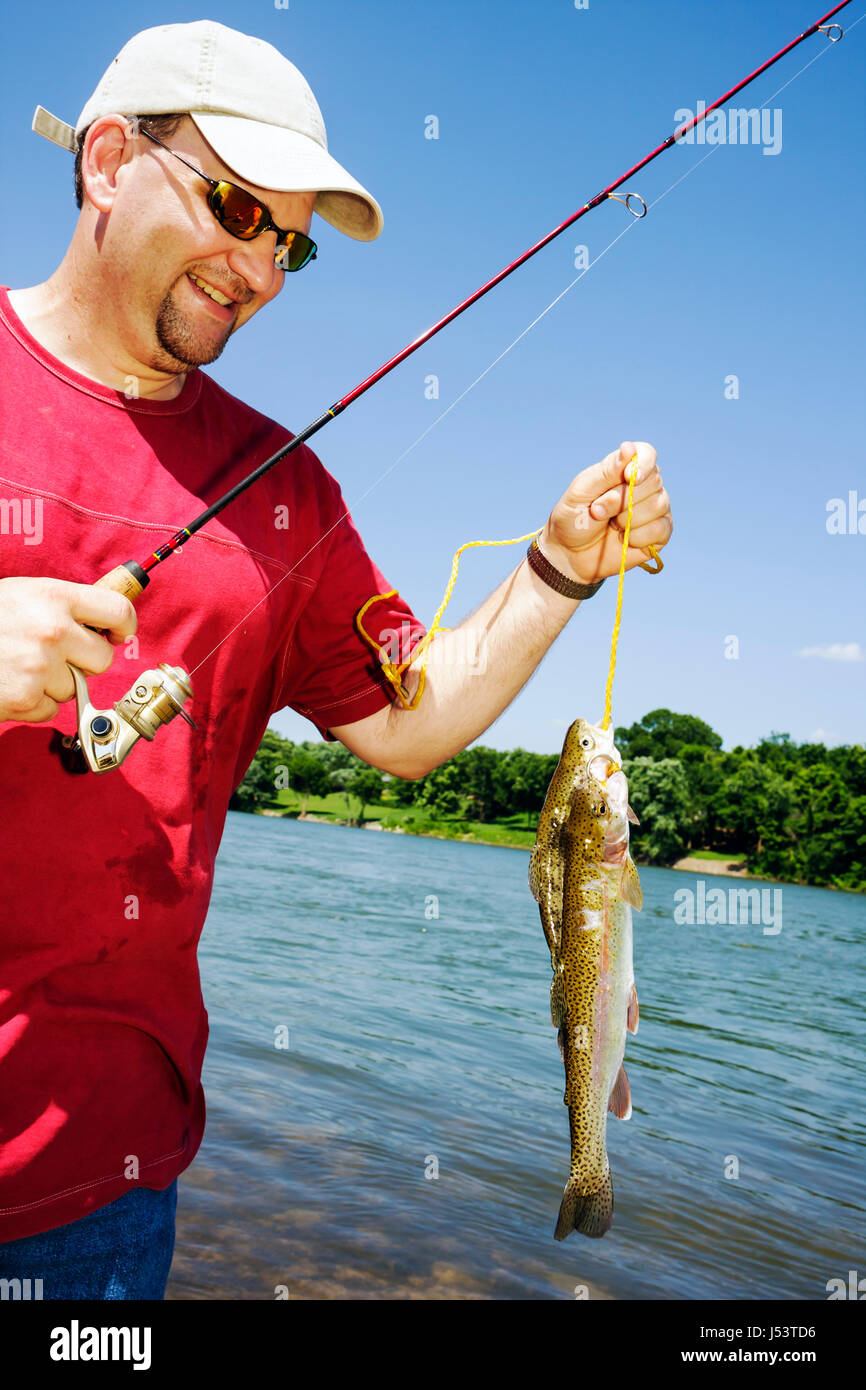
336	807
511	832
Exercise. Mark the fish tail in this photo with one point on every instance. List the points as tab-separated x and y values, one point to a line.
589	1213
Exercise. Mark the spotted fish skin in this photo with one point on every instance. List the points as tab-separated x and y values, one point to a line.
586	884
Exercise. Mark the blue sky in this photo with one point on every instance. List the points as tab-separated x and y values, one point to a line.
750	267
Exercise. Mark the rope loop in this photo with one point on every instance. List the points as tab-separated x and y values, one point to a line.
393	671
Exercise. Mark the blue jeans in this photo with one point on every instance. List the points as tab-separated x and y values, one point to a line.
123	1250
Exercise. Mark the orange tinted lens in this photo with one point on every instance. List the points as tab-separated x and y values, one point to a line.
237	210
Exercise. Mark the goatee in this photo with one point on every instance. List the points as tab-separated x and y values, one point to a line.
178	338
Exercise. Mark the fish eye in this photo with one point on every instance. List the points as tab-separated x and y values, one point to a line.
601	809
586	743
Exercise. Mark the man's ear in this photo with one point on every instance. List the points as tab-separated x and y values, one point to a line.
107	147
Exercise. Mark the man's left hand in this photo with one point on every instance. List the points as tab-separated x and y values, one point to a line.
584	533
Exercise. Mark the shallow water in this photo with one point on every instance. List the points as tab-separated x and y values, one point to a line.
419	1044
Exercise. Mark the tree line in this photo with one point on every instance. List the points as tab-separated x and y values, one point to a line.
795	811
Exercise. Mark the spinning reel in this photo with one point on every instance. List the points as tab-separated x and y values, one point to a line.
107	736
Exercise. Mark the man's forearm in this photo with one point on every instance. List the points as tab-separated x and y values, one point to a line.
475	670
478	668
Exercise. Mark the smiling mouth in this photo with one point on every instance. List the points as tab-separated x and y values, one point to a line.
210	290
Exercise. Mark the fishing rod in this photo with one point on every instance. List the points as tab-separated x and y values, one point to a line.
107	736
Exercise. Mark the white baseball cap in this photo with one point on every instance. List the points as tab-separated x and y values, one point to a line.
250	103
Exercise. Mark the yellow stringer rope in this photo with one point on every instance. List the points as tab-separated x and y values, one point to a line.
618	615
394	671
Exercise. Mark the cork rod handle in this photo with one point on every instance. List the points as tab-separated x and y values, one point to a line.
129	580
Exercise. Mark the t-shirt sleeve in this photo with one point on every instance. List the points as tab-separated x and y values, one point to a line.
331	675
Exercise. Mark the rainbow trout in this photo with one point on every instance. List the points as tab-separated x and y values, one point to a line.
585	884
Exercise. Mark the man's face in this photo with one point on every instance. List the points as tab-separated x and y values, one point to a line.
160	233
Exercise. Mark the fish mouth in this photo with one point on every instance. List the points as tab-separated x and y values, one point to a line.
603	766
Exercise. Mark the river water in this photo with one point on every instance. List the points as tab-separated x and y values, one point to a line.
384	1088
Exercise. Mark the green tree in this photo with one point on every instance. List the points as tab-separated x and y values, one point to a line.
523	780
442	790
404	792
366	786
662	734
827	828
308	776
256	789
333	755
659	794
704	769
751	800
275	754
482	782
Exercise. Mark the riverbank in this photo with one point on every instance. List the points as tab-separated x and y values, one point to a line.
691	864
722	867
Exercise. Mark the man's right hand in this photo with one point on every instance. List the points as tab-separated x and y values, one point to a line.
42	627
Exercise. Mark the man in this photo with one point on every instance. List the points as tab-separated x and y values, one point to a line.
201	158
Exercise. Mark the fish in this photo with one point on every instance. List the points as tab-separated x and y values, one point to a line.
585	882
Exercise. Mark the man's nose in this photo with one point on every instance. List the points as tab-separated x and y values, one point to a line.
253	261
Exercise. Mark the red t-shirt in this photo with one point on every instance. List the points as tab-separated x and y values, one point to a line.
106	879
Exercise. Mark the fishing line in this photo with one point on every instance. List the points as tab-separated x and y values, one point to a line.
423	435
605	722
105	737
629	227
356	502
132	577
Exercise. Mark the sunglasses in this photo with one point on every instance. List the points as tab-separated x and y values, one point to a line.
244	217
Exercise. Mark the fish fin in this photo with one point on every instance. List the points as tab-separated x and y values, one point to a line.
549	926
534	874
545	885
632	817
560	1038
589	1213
557	1001
629	885
633	1014
545	869
620	1097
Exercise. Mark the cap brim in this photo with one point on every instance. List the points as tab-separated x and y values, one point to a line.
273	157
